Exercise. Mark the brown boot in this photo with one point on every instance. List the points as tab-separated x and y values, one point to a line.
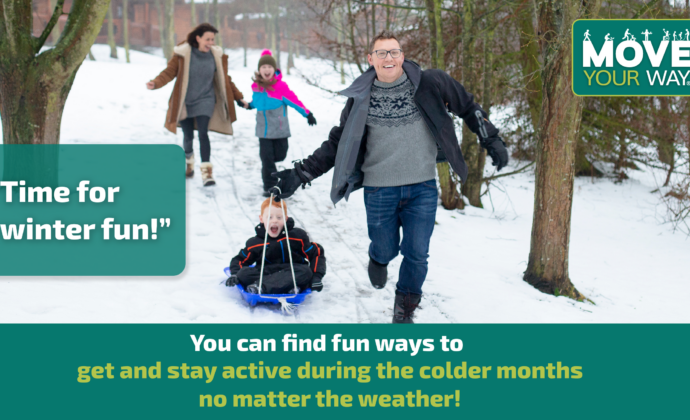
404	308
190	167
207	174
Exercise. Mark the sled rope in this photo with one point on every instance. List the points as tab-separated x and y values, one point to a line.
285	306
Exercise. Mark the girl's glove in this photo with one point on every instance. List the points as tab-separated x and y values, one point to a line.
316	284
310	119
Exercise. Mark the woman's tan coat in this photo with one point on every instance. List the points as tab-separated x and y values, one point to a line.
226	91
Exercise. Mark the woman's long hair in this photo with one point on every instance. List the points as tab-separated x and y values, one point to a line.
266	84
200	31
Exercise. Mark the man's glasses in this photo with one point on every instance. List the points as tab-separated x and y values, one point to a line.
383	53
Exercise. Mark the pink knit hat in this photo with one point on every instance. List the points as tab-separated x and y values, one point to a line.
267	58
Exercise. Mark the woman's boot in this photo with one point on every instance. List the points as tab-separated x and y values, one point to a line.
190	167
207	174
404	307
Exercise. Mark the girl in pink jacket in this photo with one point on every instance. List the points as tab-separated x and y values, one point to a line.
271	98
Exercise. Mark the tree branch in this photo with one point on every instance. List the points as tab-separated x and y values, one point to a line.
38	42
84	22
645	8
394	6
491	178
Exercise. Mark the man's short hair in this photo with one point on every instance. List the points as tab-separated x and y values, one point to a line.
382	36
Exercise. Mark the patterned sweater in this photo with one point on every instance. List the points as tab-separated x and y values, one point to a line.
400	148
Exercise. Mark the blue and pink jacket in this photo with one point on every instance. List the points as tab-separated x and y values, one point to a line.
271	106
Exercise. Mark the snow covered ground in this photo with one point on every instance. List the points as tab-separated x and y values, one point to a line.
633	267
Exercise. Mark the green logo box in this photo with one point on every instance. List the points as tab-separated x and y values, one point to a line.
92	210
155	371
631	57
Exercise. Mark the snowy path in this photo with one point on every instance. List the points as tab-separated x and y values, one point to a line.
633	267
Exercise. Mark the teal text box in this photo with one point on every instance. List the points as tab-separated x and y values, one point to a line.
133	210
626	371
631	57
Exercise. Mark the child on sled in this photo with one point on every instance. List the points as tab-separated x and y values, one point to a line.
308	259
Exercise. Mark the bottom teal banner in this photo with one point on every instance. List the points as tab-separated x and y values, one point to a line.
340	371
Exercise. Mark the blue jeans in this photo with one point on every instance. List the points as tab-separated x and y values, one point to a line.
412	207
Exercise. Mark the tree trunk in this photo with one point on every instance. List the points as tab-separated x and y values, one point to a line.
111	32
125	27
288	36
341	43
353	44
208	11
219	37
169	27
192	9
561	114
161	28
488	58
440	48
276	34
450	198
529	57
373	22
33	86
474	155
431	18
245	37
268	37
366	26
388	18
475	191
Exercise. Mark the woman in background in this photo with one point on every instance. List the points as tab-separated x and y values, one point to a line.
203	96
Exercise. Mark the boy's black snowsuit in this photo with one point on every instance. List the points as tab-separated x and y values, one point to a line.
308	260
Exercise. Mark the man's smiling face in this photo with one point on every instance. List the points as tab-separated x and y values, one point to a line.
388	69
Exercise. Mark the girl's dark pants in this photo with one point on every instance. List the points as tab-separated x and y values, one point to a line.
277	277
204	143
271	151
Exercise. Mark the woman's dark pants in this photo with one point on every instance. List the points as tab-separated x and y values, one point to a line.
204	143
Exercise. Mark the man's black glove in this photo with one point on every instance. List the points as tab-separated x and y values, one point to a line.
316	284
289	180
232	281
496	148
310	119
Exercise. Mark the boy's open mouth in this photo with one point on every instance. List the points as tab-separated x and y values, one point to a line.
273	230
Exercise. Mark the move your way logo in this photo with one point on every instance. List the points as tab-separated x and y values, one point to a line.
631	57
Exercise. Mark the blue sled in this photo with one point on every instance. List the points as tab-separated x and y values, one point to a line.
253	299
